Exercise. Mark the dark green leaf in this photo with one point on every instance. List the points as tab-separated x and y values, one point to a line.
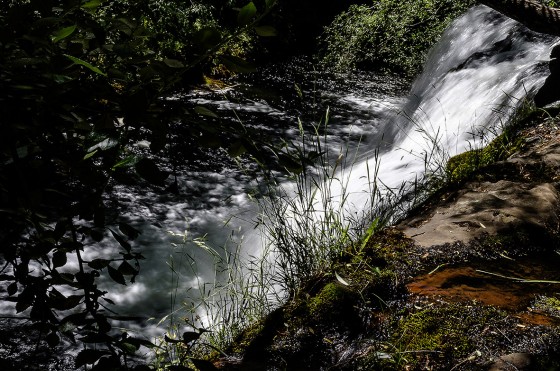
208	37
85	64
90	154
105	363
189	336
236	149
28	62
172	341
88	357
126	269
141	342
209	140
205	111
203	365
103	324
99	263
60	228
96	235
128	347
290	163
246	14
52	339
148	170
266	31
173	63
109	301
116	275
129	231
63	33
237	64
24	300
120	239
92	4
125	162
59	259
12	288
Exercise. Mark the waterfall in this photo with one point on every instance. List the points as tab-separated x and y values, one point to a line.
483	66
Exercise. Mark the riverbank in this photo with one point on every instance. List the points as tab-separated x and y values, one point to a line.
468	281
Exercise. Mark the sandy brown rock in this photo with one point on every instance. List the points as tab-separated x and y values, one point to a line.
512	362
523	197
488	208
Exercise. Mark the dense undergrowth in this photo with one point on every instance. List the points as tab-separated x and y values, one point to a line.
388	35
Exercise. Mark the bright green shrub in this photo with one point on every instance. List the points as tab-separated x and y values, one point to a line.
389	35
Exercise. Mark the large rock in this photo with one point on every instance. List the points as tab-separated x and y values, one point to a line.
520	196
489	208
550	91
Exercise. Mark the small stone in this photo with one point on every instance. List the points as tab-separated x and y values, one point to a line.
511	362
531	139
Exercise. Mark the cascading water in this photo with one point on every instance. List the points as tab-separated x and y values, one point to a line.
484	63
479	72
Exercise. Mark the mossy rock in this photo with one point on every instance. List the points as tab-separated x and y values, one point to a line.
548	305
464	165
334	303
449	332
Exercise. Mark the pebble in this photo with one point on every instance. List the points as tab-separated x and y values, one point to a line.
511	362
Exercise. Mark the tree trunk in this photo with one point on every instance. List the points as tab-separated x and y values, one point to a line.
534	15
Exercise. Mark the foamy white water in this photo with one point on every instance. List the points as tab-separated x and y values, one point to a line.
481	69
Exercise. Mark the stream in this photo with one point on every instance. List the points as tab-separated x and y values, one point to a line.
475	77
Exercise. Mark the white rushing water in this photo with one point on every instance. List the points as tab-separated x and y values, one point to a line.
483	64
474	78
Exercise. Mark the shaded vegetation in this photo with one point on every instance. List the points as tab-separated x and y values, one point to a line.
388	35
359	315
83	82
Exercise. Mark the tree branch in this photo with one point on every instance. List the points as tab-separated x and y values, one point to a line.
531	13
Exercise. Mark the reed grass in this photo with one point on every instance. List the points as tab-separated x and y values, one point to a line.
305	227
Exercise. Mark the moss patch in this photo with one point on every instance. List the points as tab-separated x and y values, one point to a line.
548	305
447	332
334	302
465	165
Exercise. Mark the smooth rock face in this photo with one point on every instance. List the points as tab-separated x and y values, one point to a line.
489	208
519	202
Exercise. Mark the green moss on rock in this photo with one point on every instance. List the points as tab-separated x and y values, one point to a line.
548	305
464	165
333	302
450	331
